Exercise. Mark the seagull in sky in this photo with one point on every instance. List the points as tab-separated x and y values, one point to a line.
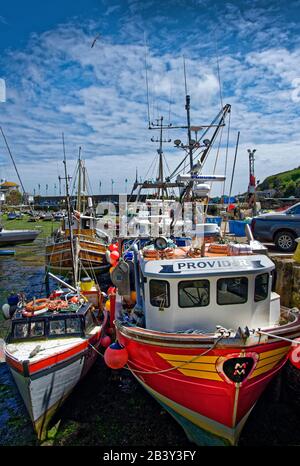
94	41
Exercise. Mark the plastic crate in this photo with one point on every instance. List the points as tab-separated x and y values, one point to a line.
217	220
237	227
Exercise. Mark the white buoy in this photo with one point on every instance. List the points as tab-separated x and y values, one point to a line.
5	310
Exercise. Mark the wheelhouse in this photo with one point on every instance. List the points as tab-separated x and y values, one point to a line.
202	293
54	325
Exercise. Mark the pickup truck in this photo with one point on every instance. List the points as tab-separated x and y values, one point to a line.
281	228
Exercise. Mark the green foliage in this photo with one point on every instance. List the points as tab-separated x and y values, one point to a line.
14	197
290	189
285	183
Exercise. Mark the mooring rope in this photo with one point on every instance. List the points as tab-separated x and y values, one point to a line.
276	336
169	369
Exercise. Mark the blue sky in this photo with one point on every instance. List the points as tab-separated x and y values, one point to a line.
97	96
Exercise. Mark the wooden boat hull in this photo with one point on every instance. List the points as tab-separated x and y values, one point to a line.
92	255
45	384
201	392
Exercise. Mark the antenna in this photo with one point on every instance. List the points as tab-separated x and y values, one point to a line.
184	71
147	84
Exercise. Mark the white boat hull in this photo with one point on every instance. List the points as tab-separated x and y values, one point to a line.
17	236
45	391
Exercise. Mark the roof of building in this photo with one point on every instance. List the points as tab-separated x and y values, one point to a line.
8	184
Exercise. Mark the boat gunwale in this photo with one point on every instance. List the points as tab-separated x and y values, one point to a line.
180	339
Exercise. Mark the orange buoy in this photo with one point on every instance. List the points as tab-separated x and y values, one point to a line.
294	355
105	341
116	356
114	256
133	296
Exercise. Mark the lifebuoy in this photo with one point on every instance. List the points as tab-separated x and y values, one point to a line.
216	248
167	253
37	307
151	253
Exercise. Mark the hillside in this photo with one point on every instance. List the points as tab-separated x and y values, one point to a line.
285	183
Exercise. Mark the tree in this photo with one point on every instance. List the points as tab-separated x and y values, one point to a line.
14	197
290	189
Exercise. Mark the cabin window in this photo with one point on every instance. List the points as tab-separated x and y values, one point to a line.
193	293
37	329
57	327
261	291
232	290
73	326
21	330
89	322
159	293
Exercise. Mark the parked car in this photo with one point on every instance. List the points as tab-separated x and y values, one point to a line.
281	228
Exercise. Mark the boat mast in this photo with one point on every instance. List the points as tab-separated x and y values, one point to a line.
83	186
67	179
78	206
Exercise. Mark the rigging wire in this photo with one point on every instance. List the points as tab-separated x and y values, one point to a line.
226	156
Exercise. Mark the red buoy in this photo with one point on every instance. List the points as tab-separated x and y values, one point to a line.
105	341
294	355
111	290
113	247
116	356
114	256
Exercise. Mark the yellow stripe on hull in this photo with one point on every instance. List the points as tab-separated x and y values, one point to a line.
267	354
268	360
188	357
202	367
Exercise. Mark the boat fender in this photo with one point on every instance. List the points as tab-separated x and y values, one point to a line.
6	310
294	355
34	313
107	256
105	341
116	356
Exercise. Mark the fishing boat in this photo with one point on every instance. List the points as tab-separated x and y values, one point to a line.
52	344
90	249
7	252
89	245
17	236
11	216
53	340
205	333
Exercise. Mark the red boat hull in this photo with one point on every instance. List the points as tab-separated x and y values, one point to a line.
201	392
